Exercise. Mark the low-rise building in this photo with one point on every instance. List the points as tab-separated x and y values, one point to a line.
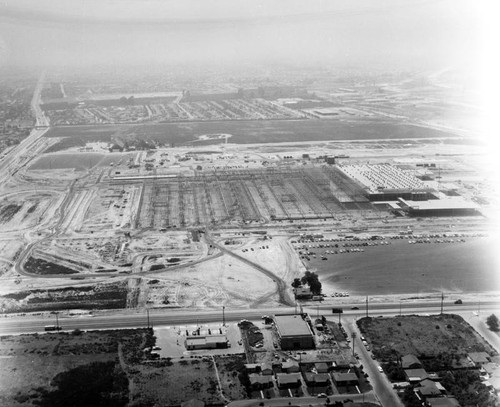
290	366
288	380
479	358
410	362
303	293
260	382
206	342
443	402
317	379
293	332
321	367
416	375
345	379
427	388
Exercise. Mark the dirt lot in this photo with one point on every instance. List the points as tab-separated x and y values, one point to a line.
91	297
423	336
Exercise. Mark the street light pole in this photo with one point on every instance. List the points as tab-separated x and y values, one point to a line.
353	336
223	316
147	312
442	299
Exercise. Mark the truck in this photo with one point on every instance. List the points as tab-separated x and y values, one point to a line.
52	328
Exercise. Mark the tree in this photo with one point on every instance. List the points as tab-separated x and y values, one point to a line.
296	283
315	287
493	323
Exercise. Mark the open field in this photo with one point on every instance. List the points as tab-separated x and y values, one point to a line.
423	336
46	369
109	366
245	132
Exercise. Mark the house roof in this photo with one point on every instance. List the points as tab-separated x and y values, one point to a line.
321	367
284	378
428	388
289	363
345	377
409	360
251	366
479	357
257	378
443	402
317	377
416	374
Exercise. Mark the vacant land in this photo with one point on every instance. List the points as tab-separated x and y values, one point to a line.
95	296
425	337
243	132
109	368
78	369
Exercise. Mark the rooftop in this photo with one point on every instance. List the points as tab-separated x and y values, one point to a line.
291	325
433	204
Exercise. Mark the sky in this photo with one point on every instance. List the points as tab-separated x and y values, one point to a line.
364	34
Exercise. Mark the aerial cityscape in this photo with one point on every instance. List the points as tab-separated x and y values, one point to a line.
247	204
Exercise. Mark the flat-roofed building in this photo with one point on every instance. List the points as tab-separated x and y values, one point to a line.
456	206
293	332
206	342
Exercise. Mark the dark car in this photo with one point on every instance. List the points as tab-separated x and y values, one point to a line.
354	307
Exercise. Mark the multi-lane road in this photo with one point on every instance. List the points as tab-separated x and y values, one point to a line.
174	317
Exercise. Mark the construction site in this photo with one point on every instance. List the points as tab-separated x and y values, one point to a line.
248	196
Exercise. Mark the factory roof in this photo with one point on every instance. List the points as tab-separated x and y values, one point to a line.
433	204
291	325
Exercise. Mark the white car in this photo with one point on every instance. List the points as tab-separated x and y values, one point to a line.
380	369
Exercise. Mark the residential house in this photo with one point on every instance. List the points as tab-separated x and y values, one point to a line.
288	380
410	362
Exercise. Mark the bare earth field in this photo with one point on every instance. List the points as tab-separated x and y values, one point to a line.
423	336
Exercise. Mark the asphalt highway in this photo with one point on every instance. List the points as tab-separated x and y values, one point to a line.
12	325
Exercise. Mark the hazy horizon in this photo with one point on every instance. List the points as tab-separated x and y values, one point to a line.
388	34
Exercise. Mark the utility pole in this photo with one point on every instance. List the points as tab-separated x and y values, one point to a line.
400	313
57	320
223	316
147	313
366	306
353	336
442	299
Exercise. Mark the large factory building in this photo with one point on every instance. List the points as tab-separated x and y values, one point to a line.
293	332
456	206
384	182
